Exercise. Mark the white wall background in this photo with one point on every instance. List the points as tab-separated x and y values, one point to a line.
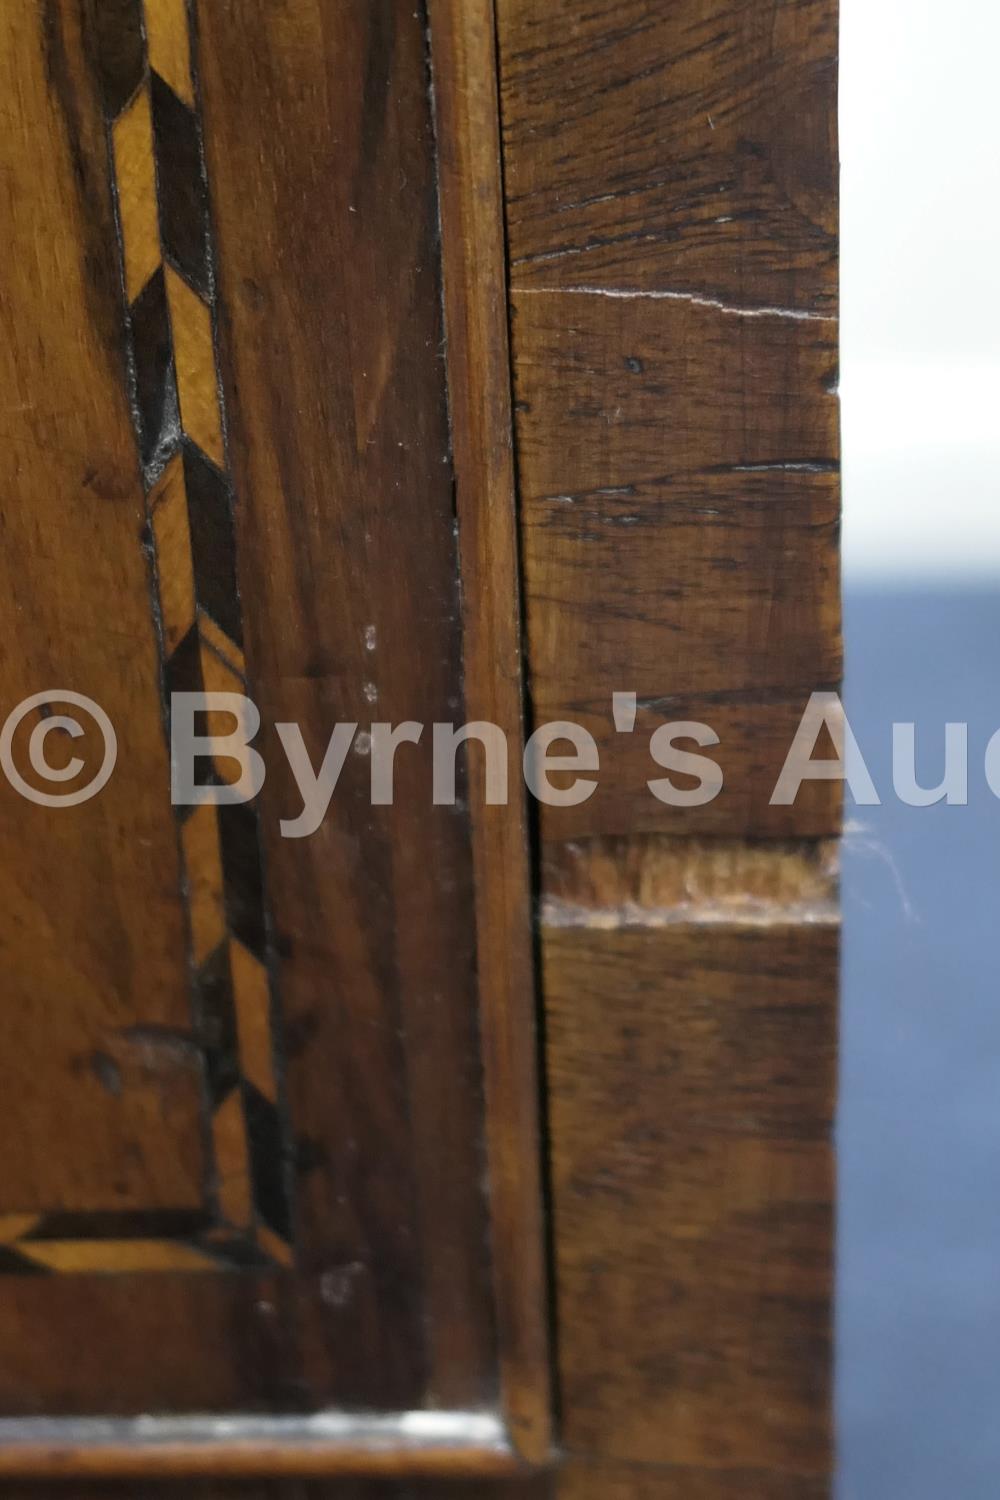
920	97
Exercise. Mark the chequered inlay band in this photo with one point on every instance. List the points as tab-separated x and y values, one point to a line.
146	59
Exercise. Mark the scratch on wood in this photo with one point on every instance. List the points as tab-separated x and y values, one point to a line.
798	314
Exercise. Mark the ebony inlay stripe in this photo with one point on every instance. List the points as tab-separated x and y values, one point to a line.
217	1024
165	255
13	1264
235	1252
137	1224
213	543
269	1155
121	55
155	409
244	884
182	193
155	1240
183	667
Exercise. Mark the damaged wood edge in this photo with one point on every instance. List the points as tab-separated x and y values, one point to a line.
652	880
473	251
437	1444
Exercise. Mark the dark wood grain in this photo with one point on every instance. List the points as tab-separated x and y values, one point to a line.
680	519
667	188
576	1480
521	1488
671	205
339	444
92	939
585	1480
291	434
464	61
674	335
691	1055
703	147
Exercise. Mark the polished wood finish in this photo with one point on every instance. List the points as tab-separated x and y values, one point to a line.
680	514
673	291
691	1074
285	270
279	522
671	218
94	1127
585	1480
338	429
340	1447
704	148
524	1487
463	55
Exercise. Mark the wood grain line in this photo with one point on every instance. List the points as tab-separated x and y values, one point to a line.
471	196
